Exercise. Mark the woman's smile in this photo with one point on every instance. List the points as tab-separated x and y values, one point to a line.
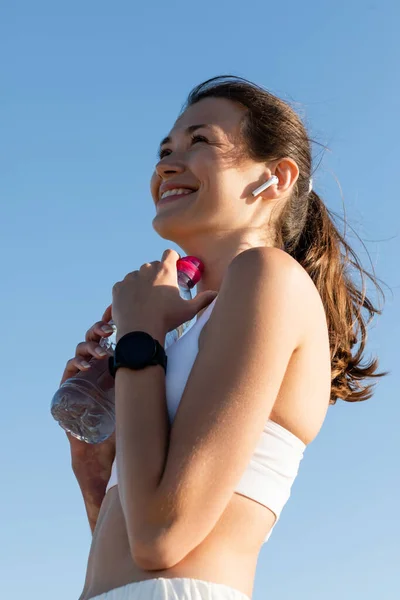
174	194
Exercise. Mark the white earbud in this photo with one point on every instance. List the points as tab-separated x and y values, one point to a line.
265	185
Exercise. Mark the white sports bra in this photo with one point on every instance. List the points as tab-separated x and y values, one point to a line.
274	465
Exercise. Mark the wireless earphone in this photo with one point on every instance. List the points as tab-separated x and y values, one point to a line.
266	185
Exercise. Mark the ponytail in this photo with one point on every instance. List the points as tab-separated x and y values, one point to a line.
327	258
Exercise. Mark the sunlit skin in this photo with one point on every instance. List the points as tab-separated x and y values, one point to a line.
221	218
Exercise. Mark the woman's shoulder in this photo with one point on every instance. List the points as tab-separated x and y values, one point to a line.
272	271
277	261
265	285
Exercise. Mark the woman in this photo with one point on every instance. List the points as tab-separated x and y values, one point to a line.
207	452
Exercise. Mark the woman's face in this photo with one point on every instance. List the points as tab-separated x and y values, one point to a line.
213	187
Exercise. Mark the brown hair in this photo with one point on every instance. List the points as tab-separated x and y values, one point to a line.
305	228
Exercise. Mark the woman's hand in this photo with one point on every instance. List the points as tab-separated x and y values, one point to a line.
90	462
149	299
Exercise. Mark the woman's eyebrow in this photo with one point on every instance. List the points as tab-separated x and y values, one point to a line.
189	129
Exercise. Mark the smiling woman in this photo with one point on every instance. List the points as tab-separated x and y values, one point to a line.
207	452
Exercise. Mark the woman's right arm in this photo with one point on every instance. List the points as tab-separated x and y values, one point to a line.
91	465
93	492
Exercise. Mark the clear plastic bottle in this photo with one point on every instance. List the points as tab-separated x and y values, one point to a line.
84	405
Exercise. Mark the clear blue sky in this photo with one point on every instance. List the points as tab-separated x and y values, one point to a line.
88	89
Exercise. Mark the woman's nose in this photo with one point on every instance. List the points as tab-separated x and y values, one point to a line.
166	168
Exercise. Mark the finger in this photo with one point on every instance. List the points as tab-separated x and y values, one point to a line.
203	299
145	267
69	371
170	255
96	332
107	316
73	367
86	350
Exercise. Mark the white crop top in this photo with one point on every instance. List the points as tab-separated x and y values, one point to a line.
274	465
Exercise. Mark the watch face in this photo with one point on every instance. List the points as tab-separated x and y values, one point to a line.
137	350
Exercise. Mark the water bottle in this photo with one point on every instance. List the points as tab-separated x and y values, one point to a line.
84	405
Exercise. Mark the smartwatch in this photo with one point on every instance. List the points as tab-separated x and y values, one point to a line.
137	350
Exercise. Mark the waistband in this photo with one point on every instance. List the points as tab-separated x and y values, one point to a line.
173	588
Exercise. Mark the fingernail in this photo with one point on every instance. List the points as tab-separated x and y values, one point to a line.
85	364
107	329
100	351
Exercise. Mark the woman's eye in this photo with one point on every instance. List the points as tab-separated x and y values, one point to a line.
195	140
163	153
199	138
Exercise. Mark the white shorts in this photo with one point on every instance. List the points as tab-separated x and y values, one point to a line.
174	588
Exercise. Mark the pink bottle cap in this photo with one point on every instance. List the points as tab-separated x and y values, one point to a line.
192	267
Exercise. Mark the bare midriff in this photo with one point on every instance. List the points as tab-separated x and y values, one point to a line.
228	555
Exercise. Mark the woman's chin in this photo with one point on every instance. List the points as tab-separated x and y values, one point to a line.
173	227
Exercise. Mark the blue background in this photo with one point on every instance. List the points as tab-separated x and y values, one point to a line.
88	89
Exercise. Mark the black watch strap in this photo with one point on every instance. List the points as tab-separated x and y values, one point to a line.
129	356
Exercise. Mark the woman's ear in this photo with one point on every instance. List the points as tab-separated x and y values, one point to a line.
287	171
279	179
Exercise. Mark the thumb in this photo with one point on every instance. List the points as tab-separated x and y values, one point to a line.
203	299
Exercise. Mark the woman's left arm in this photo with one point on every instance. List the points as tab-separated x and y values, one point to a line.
174	485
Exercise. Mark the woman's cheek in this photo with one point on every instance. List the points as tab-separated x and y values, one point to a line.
154	184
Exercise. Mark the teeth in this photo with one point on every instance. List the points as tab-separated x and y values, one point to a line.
176	192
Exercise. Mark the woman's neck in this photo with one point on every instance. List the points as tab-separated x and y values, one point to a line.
217	254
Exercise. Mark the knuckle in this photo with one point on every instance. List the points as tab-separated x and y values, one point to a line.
146	266
169	252
79	348
97	329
